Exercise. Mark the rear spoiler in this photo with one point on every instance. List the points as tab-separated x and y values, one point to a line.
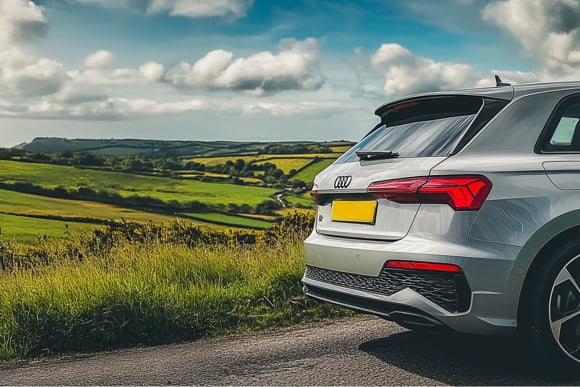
505	93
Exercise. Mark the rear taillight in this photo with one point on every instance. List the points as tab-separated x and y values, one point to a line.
462	193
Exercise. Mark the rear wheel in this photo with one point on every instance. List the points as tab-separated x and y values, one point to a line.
553	329
564	309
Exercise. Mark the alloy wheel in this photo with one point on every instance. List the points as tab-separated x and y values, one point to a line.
564	309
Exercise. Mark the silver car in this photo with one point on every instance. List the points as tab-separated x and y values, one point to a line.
459	210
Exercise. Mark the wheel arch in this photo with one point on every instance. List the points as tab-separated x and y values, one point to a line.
556	232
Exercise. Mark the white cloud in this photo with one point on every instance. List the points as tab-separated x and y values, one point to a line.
548	30
20	21
107	109
118	77
41	77
513	77
186	8
46	89
133	108
407	73
99	59
21	71
152	71
75	93
204	8
302	108
294	67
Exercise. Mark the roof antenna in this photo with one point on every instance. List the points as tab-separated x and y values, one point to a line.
499	82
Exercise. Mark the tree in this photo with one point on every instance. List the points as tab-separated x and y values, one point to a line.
267	207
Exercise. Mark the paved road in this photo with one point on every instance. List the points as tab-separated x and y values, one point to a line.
362	350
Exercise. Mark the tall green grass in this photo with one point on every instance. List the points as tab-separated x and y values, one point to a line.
153	290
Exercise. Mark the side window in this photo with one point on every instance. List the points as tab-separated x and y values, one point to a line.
565	132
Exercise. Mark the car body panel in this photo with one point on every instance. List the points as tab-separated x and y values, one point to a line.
564	174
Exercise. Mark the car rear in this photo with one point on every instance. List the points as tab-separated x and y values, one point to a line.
391	234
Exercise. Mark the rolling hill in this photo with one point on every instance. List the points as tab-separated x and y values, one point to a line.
169	149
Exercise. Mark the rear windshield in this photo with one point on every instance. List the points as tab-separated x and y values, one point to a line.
420	128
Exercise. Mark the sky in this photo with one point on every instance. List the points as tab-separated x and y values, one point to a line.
260	70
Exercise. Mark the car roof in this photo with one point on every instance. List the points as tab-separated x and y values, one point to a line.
507	92
532	88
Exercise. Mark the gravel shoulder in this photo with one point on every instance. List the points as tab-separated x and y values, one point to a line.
351	351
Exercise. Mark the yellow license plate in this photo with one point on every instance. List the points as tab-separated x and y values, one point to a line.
354	211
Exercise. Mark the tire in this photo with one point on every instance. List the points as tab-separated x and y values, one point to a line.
552	322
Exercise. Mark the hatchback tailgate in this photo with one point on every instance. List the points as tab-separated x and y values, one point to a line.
349	211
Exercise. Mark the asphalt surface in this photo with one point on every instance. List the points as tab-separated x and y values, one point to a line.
352	351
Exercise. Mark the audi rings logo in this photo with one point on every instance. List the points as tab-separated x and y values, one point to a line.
342	181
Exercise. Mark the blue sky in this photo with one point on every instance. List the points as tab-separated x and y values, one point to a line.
259	70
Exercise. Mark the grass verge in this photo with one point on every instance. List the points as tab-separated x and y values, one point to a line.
153	292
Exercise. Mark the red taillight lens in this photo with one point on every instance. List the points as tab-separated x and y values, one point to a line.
414	265
400	191
462	193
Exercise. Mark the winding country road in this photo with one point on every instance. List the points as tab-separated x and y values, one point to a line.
360	350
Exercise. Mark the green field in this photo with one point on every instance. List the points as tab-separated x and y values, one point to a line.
127	184
308	173
211	161
303	200
27	230
304	163
16	203
341	149
287	164
190	174
271	158
36	205
268	218
24	216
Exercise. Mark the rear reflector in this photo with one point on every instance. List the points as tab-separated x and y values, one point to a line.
414	265
462	193
314	195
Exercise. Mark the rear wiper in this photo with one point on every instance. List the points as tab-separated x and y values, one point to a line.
375	155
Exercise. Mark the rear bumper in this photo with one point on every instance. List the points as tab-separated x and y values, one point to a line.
492	281
386	310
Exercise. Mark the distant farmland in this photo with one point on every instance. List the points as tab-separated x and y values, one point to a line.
128	184
286	162
24	216
46	193
308	173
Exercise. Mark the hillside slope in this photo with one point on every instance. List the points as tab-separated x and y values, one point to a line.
167	149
